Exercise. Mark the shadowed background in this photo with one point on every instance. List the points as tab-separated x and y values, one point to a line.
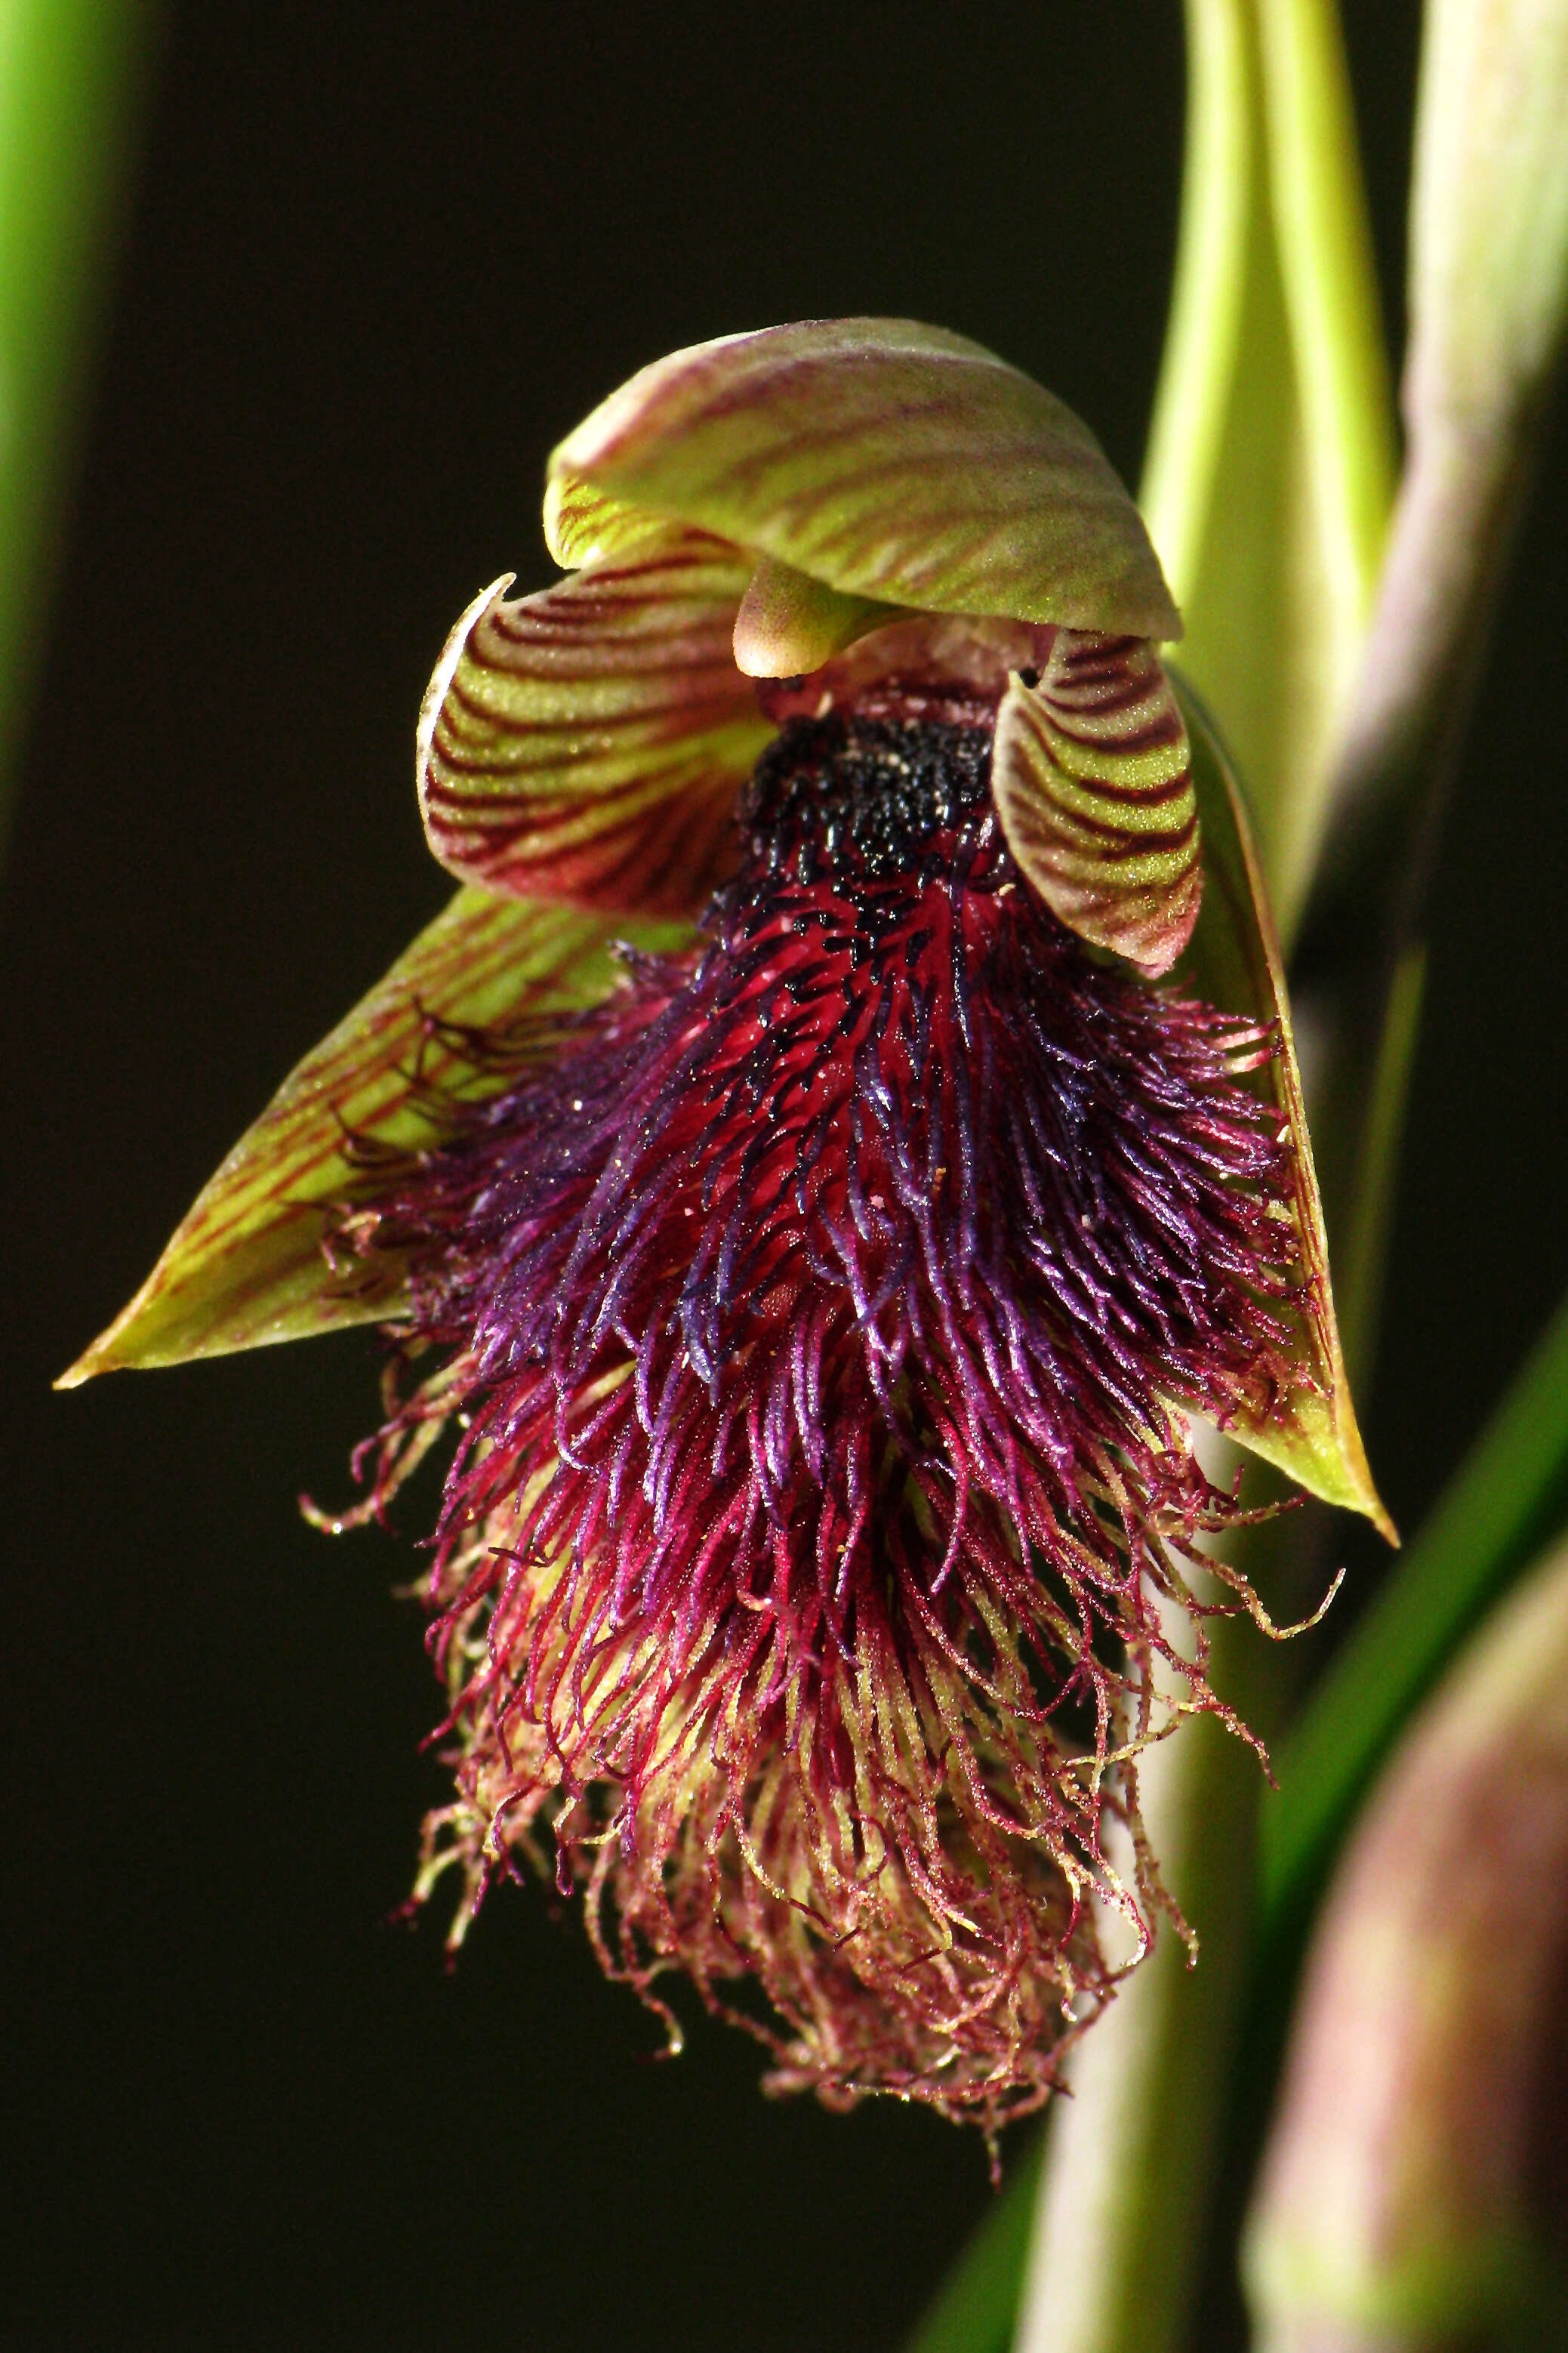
378	259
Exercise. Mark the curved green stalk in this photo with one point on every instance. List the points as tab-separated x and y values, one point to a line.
1489	324
1364	1249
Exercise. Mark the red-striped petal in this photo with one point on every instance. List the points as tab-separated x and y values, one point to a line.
1092	781
587	743
888	459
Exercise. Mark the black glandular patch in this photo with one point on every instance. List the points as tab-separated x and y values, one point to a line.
864	794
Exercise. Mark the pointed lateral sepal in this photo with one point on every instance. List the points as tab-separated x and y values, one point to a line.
1091	776
885	458
247	1266
1309	1430
587	743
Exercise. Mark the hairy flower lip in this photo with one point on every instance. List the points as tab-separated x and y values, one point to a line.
819	1301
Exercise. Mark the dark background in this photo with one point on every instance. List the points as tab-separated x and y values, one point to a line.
379	259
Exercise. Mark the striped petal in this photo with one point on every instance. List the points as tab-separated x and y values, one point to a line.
583	526
888	460
1234	960
247	1266
1092	781
587	743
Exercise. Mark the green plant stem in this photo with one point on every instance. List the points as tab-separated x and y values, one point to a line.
1326	264
1363	1251
1342	396
1488	321
1120	2233
1455	522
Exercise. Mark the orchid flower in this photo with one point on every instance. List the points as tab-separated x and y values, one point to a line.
842	1134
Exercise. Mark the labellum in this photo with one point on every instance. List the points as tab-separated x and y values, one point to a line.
817	1283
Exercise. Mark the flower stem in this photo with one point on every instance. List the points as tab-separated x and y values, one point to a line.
1119	2230
1489	329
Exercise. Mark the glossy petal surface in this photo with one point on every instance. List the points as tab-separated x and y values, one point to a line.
1234	960
890	459
247	1266
1092	780
587	743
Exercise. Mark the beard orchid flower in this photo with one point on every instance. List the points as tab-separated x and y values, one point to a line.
842	1133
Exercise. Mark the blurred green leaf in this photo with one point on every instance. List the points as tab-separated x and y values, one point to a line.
71	75
1408	2211
1503	1502
1488	224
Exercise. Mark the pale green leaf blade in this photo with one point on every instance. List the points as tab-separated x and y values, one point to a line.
587	743
1092	779
1324	241
1487	299
245	1267
1192	401
1270	461
1489	225
892	461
